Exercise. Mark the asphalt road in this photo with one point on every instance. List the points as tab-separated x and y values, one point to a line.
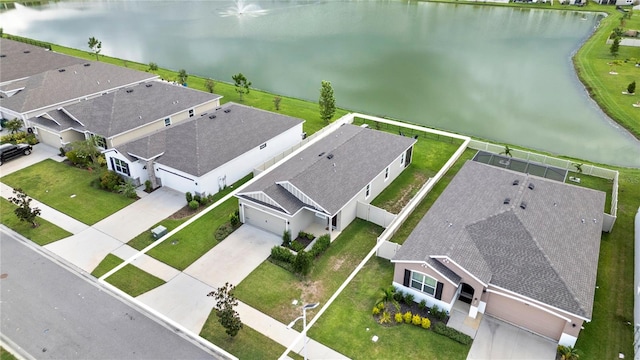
53	313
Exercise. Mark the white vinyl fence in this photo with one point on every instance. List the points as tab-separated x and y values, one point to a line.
374	214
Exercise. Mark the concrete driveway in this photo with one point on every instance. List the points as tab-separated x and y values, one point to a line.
40	152
498	340
235	257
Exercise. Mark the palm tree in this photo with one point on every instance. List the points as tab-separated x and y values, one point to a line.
578	167
568	353
388	297
507	151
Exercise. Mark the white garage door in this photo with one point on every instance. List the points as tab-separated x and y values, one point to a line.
263	220
49	138
525	316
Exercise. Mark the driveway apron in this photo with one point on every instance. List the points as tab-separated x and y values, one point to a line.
235	257
498	340
85	249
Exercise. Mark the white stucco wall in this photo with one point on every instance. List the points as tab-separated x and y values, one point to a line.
136	171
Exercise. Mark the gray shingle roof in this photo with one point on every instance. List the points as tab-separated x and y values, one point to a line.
21	60
202	144
128	108
545	251
359	155
53	87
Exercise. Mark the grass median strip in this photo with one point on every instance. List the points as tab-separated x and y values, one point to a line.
130	279
67	189
44	234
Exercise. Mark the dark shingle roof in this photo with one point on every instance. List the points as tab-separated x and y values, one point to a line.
131	107
54	87
22	60
201	144
358	156
544	251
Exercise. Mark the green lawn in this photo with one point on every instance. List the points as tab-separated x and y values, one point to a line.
596	183
55	183
592	65
609	333
348	325
129	279
190	243
5	355
327	274
44	234
248	344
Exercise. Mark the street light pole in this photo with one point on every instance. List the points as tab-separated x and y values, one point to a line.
304	325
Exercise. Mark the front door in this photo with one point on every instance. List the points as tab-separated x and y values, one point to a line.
466	293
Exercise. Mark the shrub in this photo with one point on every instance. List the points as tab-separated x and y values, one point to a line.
234	219
147	186
127	189
422	305
62	151
286	238
77	160
310	236
321	245
302	263
398	318
426	323
407	317
398	296
408	298
375	310
296	246
281	254
109	180
302	234
453	334
188	196
380	305
385	318
193	205
197	198
223	231
416	320
631	89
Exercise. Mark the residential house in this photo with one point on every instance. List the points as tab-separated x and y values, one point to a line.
518	247
122	115
324	183
208	151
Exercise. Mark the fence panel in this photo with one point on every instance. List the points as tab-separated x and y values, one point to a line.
374	214
388	250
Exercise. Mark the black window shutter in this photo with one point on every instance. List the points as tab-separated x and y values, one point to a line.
407	277
439	290
113	166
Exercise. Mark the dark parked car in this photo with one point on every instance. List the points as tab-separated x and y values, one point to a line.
10	151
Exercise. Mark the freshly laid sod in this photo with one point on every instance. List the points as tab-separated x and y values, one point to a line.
248	344
129	279
109	262
67	189
348	326
44	234
145	239
327	274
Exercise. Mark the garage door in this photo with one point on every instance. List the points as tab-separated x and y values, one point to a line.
264	220
49	138
525	316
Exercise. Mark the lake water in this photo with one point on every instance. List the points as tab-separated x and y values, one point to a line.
500	73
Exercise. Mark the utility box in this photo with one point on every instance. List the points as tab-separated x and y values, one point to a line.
159	232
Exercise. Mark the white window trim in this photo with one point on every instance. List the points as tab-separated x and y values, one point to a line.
367	191
119	165
423	283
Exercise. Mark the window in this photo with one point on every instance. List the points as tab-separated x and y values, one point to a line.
386	174
423	283
402	159
167	121
367	191
190	112
120	166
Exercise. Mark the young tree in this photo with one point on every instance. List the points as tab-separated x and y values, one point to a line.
276	102
209	84
631	88
95	45
242	84
14	125
24	212
615	47
225	302
182	76
327	102
153	66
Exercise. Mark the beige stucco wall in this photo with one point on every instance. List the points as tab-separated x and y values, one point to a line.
134	134
71	136
466	278
448	290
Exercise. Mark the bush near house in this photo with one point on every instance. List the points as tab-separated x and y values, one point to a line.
301	261
20	137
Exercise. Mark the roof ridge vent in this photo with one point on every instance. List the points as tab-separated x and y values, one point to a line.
26	51
3	55
61	70
523	205
149	85
531	186
330	156
322	153
87	64
507	201
515	182
212	116
129	91
227	110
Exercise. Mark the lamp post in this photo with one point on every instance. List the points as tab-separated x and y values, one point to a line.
304	324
